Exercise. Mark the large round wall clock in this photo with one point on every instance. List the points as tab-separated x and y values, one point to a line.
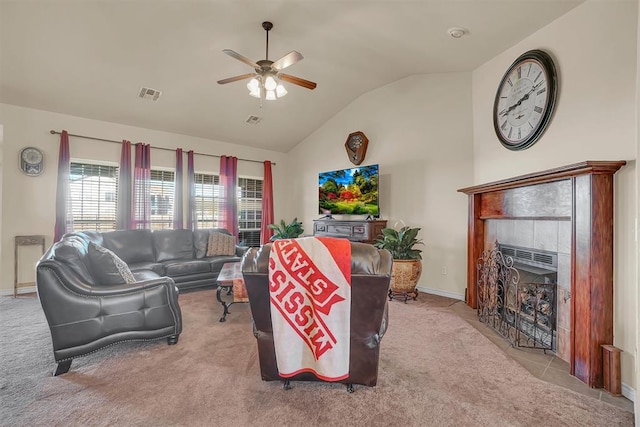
356	146
525	100
31	161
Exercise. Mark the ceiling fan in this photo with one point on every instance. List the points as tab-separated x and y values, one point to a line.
265	80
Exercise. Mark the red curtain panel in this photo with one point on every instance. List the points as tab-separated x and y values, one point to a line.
142	187
191	206
63	211
267	205
178	216
123	215
228	180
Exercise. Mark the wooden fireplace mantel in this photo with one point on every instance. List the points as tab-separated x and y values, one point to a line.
544	195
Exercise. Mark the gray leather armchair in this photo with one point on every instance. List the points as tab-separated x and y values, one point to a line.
86	314
370	278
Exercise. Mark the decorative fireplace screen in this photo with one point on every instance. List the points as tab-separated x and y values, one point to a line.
523	313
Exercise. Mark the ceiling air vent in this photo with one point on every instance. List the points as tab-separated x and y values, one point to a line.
148	93
253	120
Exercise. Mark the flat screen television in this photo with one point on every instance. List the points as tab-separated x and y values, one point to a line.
351	191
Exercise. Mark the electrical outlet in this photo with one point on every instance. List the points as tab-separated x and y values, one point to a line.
444	270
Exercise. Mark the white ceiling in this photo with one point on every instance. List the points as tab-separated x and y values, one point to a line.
90	58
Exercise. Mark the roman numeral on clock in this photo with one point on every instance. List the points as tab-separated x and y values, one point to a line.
537	109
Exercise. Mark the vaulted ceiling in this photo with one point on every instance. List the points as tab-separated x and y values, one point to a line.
90	58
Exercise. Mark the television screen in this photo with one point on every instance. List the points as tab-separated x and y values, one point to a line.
351	191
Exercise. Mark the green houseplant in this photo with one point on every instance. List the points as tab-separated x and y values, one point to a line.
286	231
407	260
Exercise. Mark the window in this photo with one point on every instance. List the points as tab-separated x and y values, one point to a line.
207	197
208	194
249	211
162	193
93	196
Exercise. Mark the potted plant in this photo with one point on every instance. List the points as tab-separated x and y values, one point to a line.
286	231
407	260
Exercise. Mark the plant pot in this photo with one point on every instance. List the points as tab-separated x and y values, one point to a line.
404	279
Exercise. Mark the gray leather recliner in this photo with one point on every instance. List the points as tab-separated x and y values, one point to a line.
85	315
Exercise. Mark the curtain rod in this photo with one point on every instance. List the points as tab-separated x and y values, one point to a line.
55	132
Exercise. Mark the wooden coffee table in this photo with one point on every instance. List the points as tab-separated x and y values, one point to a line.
230	280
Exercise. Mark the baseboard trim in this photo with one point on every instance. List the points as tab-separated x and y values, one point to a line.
440	293
24	290
628	392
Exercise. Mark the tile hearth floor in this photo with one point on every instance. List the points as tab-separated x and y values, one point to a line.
546	367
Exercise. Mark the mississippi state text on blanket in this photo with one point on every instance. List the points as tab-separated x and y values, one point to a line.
310	293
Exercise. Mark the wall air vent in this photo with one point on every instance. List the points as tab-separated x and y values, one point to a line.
533	257
253	120
148	93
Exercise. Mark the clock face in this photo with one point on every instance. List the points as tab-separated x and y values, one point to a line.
31	161
31	156
355	141
356	146
525	100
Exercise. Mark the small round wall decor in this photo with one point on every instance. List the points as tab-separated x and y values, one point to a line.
31	161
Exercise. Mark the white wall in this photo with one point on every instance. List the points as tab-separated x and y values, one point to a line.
595	49
419	131
28	203
637	367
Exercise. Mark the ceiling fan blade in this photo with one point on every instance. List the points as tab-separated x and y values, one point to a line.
288	60
239	57
236	78
297	81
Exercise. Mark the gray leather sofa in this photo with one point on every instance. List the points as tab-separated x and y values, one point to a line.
89	303
179	254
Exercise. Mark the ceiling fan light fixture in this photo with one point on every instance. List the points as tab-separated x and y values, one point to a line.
255	93
270	83
271	95
281	91
253	84
254	87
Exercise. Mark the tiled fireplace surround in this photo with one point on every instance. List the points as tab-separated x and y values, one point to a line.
525	211
548	235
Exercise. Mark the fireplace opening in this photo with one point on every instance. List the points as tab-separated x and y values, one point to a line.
517	294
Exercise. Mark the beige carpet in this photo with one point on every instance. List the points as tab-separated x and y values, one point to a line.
435	370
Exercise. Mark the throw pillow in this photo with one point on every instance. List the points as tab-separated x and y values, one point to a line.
221	244
201	242
107	268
